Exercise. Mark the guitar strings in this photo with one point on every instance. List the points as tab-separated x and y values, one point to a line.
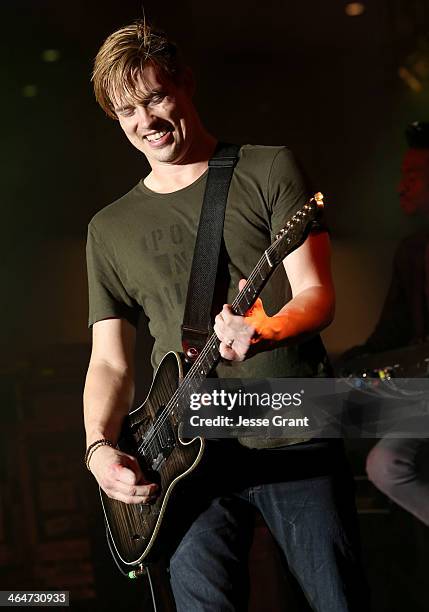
169	409
184	386
180	391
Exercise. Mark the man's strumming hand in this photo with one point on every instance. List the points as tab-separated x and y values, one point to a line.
120	476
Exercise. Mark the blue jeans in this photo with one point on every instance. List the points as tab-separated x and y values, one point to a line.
312	519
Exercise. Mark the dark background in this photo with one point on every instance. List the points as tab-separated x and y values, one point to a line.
300	73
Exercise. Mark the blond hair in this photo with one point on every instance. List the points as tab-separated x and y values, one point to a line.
122	58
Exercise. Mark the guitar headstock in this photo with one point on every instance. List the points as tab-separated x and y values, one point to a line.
296	229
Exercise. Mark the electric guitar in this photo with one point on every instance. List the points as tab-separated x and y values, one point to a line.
152	431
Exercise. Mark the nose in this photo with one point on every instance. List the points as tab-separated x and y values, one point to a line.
145	117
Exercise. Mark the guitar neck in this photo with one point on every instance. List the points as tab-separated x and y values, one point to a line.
210	356
290	237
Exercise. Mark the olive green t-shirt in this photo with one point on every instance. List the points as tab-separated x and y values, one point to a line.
140	250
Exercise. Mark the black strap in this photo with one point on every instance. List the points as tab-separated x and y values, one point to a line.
196	320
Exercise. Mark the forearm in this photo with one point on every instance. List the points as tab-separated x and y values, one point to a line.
108	396
305	315
310	310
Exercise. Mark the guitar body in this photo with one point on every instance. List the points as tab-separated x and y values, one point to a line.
164	459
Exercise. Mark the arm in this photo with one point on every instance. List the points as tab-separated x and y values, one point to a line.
108	394
310	310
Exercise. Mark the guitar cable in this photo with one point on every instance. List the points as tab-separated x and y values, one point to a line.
155	609
135	573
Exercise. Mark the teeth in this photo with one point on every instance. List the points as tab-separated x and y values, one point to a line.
156	136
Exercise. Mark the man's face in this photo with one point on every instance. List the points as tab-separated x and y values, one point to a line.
414	184
163	121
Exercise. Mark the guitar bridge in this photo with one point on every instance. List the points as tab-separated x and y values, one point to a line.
159	440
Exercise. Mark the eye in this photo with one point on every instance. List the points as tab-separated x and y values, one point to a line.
126	112
156	99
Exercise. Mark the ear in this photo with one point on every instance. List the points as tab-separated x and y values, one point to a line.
188	82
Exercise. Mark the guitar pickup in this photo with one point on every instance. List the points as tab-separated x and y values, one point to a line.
156	463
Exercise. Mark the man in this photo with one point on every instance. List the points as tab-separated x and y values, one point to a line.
139	254
400	467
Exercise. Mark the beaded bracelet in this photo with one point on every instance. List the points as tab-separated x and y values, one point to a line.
93	447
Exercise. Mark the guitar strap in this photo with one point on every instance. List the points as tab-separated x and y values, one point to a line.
196	321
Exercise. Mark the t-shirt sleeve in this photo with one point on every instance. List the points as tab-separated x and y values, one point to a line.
288	191
108	298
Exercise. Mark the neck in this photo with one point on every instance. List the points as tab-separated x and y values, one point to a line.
168	177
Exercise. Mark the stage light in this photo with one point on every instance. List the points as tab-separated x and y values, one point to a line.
354	9
51	55
29	91
414	69
409	79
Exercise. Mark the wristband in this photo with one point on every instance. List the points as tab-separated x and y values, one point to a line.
93	447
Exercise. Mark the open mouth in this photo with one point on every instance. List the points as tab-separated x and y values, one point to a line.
157	139
157	136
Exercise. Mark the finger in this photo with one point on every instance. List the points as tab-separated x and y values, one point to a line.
219	319
218	328
128	475
146	490
132	463
227	314
226	351
229	353
241	283
127	499
255	307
